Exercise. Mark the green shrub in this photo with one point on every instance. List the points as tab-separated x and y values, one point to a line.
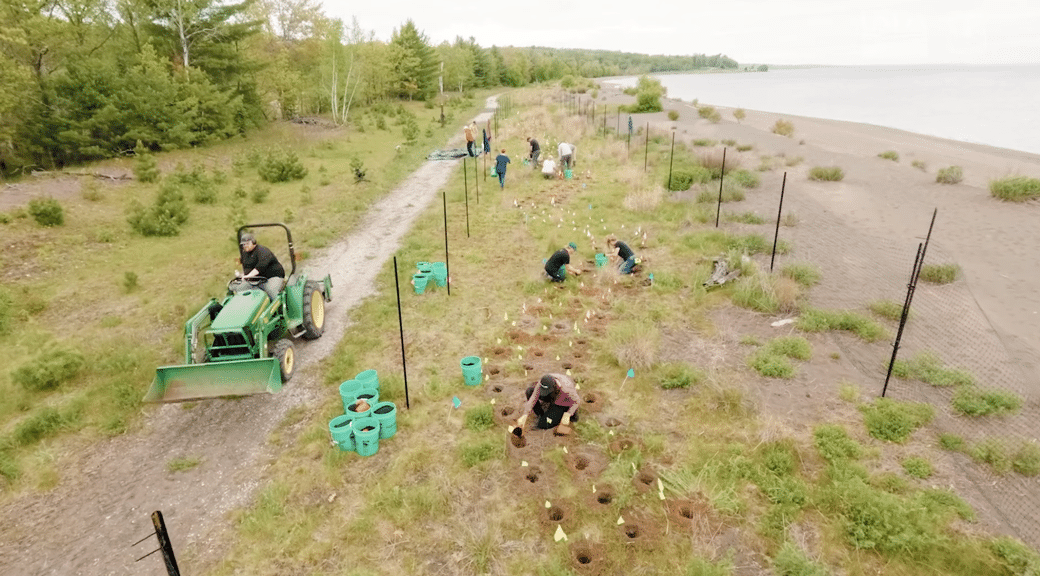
1015	188
281	167
673	115
927	367
953	443
260	194
146	169
480	418
709	113
1017	558
971	401
745	178
410	131
920	165
684	178
129	281
834	443
771	365
939	273
816	320
889	155
993	453
1026	459
678	375
917	467
783	128
473	454
164	217
47	212
7	311
44	422
49	369
941	502
887	309
791	561
894	421
739	114
240	192
805	273
826	174
877	520
790	346
9	467
950	175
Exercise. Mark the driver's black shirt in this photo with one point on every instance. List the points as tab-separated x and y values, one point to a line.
264	261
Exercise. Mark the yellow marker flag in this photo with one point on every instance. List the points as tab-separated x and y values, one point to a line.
593	488
560	535
523	463
547	504
565	450
492	400
557	357
620	520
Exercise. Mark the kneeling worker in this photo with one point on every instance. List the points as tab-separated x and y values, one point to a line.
559	263
554	400
626	258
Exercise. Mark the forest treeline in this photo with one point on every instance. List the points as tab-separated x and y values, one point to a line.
89	79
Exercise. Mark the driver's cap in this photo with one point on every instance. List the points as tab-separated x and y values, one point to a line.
246	239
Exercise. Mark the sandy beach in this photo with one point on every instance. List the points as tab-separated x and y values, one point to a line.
892	201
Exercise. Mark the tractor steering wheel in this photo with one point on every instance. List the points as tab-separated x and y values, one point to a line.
236	284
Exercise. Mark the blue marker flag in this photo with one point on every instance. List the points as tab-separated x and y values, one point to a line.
456	402
631	373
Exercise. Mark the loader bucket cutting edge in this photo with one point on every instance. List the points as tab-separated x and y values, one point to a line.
214	380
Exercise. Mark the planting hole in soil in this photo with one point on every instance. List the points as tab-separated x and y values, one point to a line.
581	342
646	478
632	531
496	387
493	370
532	475
578	355
518	441
568	365
583	558
528	367
537	352
556	514
591	398
507	411
499	351
581	463
605	498
686	511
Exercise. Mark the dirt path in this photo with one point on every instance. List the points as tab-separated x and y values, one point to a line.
86	526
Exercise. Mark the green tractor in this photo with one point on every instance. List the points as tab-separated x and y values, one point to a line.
243	343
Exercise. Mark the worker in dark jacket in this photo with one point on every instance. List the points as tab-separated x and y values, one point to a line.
535	151
623	256
554	401
559	263
259	262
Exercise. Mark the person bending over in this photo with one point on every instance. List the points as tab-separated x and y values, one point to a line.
535	151
559	263
554	401
259	262
625	258
549	168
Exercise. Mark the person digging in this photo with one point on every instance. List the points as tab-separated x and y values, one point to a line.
559	264
554	401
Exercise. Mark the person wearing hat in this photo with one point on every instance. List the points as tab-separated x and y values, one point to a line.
470	138
554	400
259	262
559	263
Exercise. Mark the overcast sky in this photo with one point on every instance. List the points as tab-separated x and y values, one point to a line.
749	31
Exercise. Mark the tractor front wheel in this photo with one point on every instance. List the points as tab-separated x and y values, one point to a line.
313	310
286	355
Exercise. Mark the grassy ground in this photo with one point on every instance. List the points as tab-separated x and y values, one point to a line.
88	309
672	471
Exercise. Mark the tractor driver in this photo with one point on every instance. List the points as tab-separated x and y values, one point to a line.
260	263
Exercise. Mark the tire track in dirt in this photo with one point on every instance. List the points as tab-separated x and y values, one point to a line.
86	525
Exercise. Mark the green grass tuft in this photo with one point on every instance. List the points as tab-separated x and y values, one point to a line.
817	320
940	273
783	128
678	375
927	367
480	418
887	309
1015	188
917	467
889	155
971	401
834	443
950	175
894	421
804	273
826	173
183	463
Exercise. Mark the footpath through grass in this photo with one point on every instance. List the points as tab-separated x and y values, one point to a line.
672	471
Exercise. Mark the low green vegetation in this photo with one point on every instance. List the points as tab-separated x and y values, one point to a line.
774	359
940	273
1015	188
47	212
183	463
1001	456
745	178
818	320
894	421
917	467
927	367
678	375
480	418
743	217
826	173
887	309
804	273
950	175
920	165
971	401
739	114
889	155
709	113
673	115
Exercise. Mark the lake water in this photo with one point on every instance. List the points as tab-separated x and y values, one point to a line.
994	105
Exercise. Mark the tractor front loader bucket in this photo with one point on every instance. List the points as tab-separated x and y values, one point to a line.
215	380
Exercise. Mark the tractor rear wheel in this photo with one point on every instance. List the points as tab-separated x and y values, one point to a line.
286	355
313	310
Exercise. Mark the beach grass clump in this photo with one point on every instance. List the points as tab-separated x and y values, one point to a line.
743	217
895	421
634	343
783	128
729	142
1016	557
928	368
818	320
683	178
804	273
673	115
480	418
950	175
1015	188
739	114
709	113
887	309
182	463
729	194
971	401
644	198
917	467
678	375
834	444
920	165
889	155
744	147
704	142
745	178
826	173
939	273
766	293
792	561
1026	460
